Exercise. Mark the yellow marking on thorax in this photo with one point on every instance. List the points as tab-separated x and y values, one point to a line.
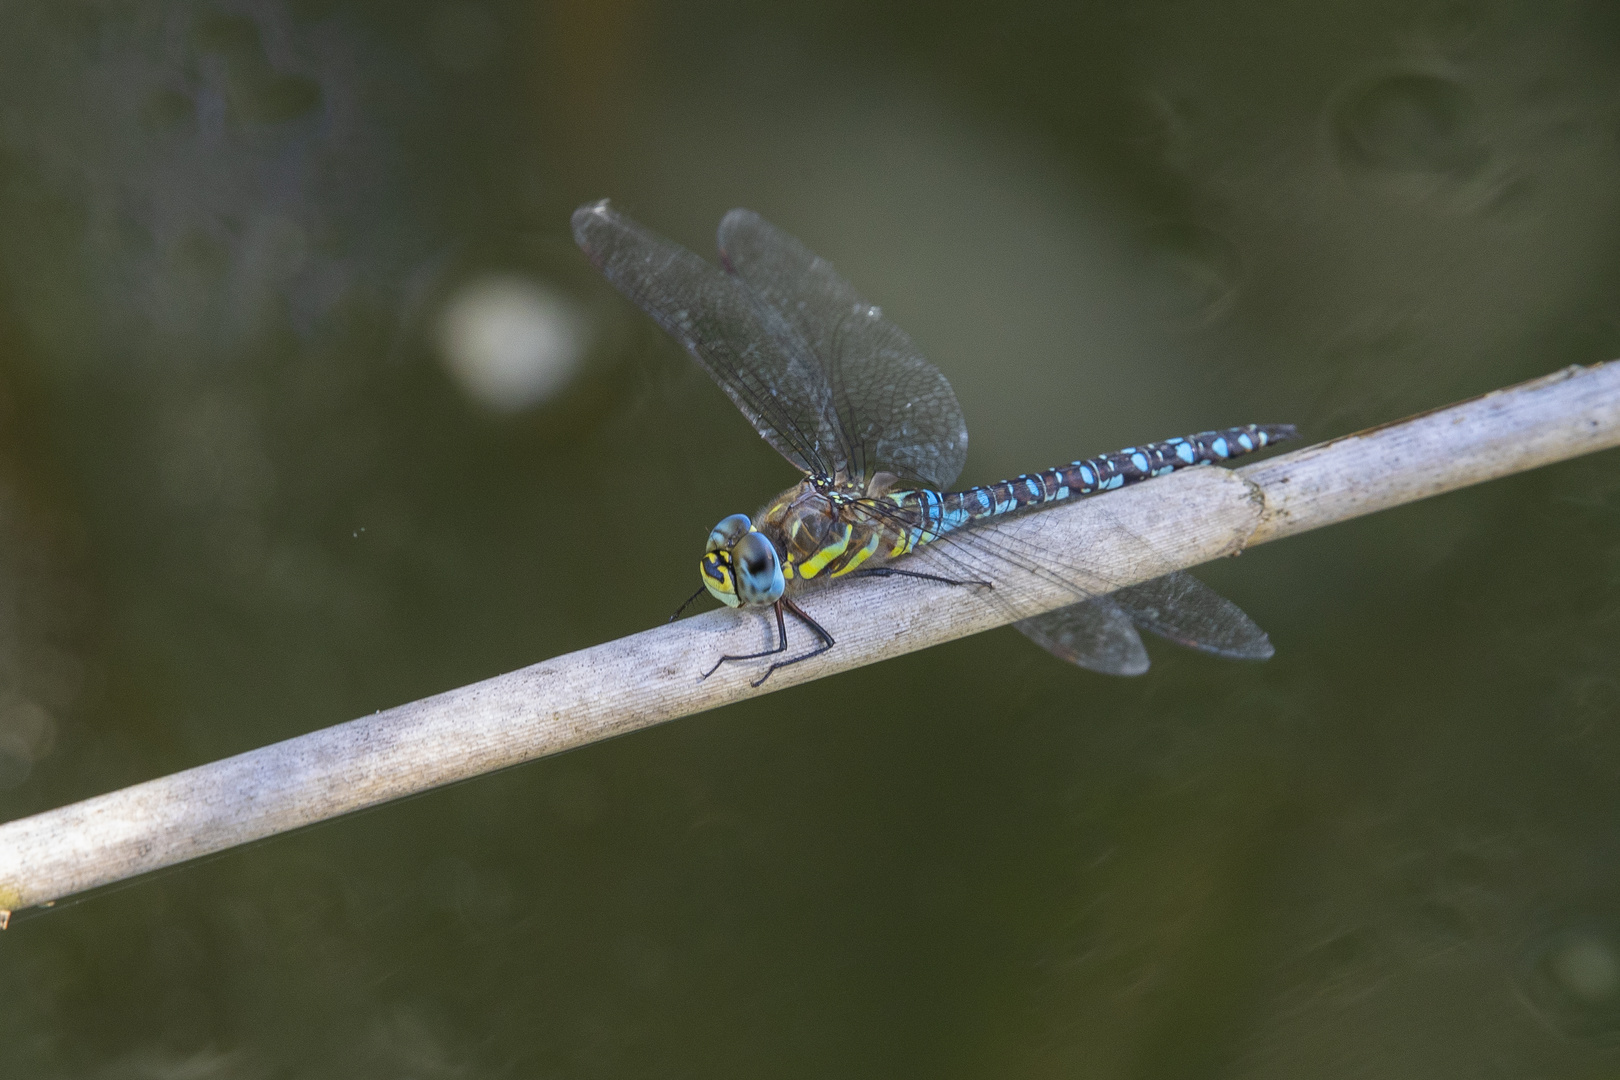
902	541
818	562
861	555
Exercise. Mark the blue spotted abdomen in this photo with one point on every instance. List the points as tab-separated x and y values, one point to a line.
1105	473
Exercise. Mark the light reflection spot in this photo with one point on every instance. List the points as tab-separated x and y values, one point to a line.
511	342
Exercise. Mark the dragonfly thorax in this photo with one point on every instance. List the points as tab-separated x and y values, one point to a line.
826	529
741	567
803	520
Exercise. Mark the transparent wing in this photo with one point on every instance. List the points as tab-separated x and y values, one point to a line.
895	411
1180	608
1097	631
1099	634
756	355
1094	634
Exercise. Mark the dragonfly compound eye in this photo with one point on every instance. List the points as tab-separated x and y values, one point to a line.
758	570
724	536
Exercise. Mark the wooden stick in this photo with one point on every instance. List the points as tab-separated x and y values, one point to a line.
647	678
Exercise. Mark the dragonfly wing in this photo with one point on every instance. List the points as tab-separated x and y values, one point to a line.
745	344
897	411
1182	609
1094	634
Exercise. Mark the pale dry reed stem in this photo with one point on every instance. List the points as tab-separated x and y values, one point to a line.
647	678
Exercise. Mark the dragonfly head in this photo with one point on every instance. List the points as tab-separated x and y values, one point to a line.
740	566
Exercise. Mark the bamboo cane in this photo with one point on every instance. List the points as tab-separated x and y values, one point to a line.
650	677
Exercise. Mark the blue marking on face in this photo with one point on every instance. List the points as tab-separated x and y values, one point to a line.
1220	448
758	569
1140	460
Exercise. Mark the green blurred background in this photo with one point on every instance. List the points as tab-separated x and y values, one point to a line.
309	407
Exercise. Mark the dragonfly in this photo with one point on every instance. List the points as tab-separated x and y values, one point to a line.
845	396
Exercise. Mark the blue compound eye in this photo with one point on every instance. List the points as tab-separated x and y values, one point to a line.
758	570
724	536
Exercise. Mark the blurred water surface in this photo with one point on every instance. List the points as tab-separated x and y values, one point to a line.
309	407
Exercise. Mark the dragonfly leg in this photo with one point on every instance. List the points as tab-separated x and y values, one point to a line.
827	641
781	643
688	603
889	571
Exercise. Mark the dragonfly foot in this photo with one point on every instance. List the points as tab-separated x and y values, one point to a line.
781	645
687	604
827	642
890	571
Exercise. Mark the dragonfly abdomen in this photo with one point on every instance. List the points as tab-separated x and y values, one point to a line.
1104	473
